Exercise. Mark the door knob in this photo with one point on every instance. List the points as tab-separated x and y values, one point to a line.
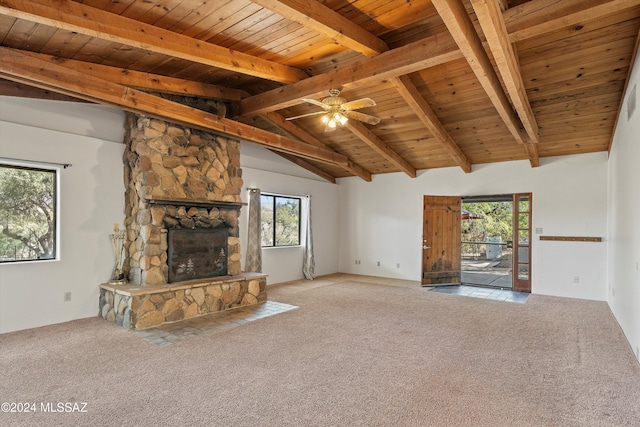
426	247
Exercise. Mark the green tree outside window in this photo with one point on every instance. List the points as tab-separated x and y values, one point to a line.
27	213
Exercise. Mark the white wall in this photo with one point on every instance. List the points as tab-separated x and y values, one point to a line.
624	219
383	219
285	264
91	201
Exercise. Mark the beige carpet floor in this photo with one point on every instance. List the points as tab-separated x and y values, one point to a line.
358	351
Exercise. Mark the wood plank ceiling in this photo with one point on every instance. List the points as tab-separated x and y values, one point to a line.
456	82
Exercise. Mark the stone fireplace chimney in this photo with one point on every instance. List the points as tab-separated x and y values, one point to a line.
177	178
181	216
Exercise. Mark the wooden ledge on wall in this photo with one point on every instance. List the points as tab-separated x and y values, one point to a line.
571	239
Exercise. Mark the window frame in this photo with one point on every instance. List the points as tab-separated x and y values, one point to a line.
275	198
55	171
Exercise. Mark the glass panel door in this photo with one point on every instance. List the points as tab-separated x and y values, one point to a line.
522	242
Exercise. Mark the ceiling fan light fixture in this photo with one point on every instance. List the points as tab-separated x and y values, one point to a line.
337	111
334	119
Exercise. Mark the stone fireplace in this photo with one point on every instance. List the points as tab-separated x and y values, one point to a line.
182	204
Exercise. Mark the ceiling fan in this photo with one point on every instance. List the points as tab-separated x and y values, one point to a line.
337	110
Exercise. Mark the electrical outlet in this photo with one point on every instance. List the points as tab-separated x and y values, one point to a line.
67	296
538	230
378	263
576	279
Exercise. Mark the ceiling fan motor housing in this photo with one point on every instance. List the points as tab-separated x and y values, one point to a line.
334	100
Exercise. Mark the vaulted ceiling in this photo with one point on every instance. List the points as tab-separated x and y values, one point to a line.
455	82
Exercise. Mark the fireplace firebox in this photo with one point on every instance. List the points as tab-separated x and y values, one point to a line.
197	253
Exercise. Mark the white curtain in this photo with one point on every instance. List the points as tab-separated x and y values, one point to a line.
308	262
254	241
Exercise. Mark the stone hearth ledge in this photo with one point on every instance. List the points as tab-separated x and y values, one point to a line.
137	307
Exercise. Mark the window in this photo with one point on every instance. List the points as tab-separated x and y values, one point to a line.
280	220
27	213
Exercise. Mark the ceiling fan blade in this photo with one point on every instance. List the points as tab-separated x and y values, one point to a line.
363	117
359	103
318	103
306	115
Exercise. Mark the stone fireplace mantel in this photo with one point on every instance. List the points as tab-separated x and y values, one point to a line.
195	203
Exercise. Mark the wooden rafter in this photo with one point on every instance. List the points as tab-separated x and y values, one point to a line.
308	166
20	90
492	24
21	68
315	16
365	134
306	137
72	16
147	81
416	56
412	97
457	21
322	19
525	21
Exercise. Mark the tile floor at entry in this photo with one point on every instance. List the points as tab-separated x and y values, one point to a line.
170	333
486	293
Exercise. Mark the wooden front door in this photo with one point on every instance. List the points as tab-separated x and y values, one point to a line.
441	240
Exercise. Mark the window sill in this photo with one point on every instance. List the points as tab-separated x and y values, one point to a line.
268	248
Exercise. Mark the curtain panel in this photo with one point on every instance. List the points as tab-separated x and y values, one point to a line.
308	261
253	257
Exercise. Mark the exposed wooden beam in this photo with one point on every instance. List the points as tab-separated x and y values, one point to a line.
317	17
429	52
19	67
538	17
365	134
72	16
492	24
12	88
308	166
461	28
305	136
147	81
456	19
412	97
523	21
532	153
324	20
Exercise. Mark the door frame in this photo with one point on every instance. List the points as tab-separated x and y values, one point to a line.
521	283
517	284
